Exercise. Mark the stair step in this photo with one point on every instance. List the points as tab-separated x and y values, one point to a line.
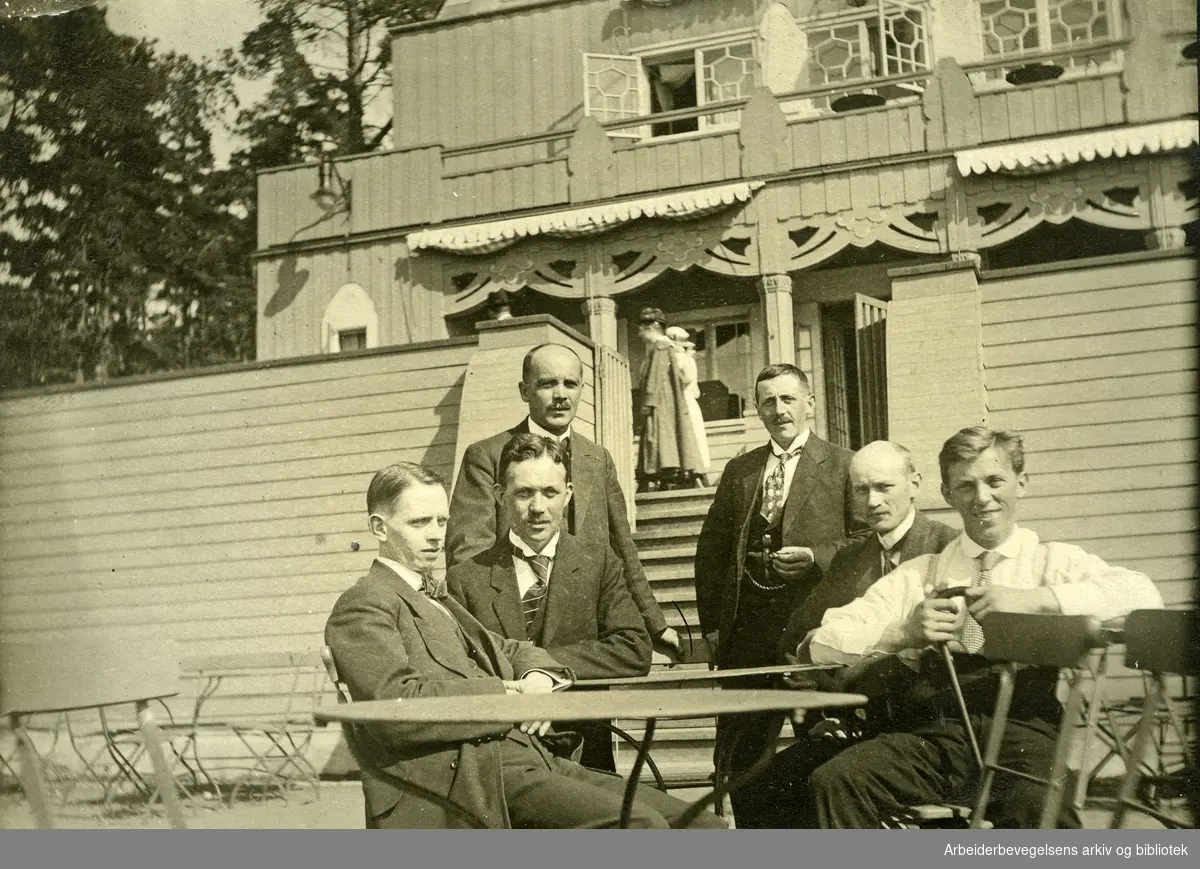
676	495
672	510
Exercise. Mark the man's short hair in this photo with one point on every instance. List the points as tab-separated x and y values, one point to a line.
527	362
779	369
389	484
972	442
526	448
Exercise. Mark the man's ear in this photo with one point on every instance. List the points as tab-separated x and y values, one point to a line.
378	527
523	390
1022	484
498	492
946	495
570	493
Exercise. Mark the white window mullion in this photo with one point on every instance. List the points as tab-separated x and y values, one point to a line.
1043	25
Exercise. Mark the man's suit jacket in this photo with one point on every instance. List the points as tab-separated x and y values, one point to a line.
817	514
855	568
598	505
589	621
389	642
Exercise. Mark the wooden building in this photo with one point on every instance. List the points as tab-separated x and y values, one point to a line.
945	211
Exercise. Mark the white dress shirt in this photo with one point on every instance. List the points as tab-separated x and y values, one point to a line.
1082	585
789	470
536	429
526	578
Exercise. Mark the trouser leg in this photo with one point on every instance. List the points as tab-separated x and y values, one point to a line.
779	798
1028	747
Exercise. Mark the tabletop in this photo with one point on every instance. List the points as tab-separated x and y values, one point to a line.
673	676
582	706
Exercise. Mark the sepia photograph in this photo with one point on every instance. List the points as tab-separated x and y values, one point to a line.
582	414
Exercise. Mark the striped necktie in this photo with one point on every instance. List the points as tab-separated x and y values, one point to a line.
972	633
531	601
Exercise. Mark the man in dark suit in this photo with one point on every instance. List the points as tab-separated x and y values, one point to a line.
540	584
396	634
780	513
884	484
551	383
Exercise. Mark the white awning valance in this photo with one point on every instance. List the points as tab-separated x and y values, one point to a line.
1046	155
481	238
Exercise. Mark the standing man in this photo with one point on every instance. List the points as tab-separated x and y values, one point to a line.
920	754
884	484
780	513
551	383
542	585
397	635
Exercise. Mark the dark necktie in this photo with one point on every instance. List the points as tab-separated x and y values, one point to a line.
972	634
889	559
531	601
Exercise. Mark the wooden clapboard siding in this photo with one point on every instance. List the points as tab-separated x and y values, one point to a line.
521	72
1059	107
295	289
1097	367
888	131
226	507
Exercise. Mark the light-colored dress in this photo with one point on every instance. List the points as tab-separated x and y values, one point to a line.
684	358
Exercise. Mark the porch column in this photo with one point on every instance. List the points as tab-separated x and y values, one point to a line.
601	312
777	305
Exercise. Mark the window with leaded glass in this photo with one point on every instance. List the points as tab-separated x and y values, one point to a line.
1074	32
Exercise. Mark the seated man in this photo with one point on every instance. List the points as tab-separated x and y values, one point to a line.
396	634
538	583
920	753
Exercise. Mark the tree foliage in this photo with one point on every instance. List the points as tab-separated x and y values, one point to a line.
122	249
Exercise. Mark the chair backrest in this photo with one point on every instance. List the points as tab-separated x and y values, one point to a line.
343	693
1163	641
86	669
1043	639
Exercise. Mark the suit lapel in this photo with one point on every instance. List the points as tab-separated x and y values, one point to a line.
560	591
439	635
506	594
808	469
585	469
870	563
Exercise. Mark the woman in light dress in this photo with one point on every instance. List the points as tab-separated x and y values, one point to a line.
683	356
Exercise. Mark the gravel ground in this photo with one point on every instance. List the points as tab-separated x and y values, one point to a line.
339	807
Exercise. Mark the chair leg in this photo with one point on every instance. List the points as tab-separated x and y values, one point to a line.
1091	726
991	756
1127	798
32	781
162	772
1062	747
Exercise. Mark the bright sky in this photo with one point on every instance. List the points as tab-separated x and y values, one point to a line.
200	28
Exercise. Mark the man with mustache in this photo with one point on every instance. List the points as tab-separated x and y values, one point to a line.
551	384
541	584
920	752
396	635
780	513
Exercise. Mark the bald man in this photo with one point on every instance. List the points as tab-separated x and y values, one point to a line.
884	486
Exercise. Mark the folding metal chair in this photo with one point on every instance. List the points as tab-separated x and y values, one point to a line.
1159	642
1016	640
88	670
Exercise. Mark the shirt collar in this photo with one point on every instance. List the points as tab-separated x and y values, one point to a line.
798	443
536	429
1010	548
888	541
548	550
405	573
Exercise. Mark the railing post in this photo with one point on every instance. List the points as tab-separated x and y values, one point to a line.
614	417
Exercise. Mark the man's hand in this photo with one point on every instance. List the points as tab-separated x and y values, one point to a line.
531	683
1002	599
792	562
669	644
537	728
713	639
935	620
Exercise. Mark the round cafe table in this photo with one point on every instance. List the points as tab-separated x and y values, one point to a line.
649	704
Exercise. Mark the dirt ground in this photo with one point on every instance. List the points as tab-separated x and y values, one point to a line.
339	806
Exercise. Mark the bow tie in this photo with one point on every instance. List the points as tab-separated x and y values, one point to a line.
434	589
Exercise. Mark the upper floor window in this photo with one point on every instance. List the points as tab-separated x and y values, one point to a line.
867	40
350	321
618	86
1077	33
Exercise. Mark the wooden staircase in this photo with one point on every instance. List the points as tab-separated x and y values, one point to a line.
668	525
